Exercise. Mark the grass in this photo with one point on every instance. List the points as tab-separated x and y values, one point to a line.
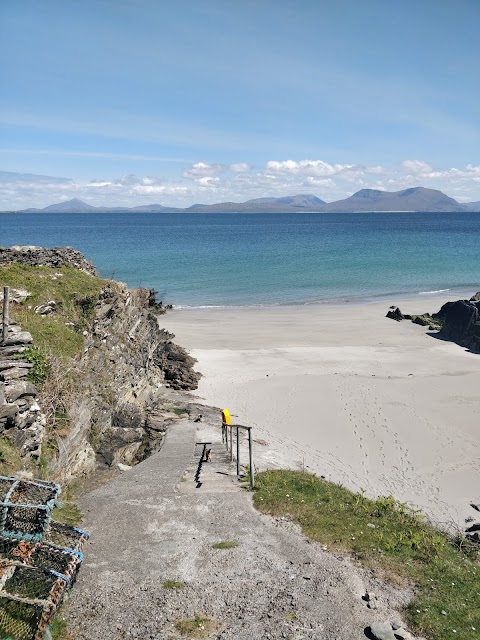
68	513
10	460
59	629
74	292
390	537
197	627
226	544
173	584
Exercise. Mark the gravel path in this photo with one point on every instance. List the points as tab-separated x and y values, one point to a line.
158	521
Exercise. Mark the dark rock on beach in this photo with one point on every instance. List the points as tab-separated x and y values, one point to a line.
461	322
457	321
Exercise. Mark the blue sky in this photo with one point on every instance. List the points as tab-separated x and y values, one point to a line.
141	101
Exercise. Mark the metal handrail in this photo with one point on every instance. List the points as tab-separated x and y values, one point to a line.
229	436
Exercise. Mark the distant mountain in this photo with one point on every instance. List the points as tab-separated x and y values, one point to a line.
78	206
473	206
366	200
70	206
414	199
293	204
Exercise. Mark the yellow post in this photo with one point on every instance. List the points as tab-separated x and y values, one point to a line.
226	421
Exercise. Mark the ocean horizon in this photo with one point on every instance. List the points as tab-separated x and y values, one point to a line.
217	260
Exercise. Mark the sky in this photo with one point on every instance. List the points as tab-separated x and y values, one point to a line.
132	102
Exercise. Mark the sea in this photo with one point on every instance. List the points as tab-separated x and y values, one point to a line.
215	260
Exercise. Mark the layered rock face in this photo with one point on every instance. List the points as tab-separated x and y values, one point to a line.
112	397
41	256
118	415
21	418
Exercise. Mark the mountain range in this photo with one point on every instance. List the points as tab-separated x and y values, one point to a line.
365	200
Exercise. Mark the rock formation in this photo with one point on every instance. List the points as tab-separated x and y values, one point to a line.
40	256
461	322
112	397
457	321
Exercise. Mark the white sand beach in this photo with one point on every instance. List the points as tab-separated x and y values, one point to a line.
348	394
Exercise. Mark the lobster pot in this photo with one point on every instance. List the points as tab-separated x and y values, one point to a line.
65	537
43	556
29	597
26	508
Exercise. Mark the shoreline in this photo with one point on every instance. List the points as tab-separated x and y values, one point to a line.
344	392
453	293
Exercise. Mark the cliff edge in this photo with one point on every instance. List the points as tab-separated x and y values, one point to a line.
85	367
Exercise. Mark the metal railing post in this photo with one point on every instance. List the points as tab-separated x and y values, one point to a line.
250	453
231	444
238	452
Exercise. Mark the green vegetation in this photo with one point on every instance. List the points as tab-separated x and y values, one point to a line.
173	584
392	538
68	513
198	627
75	294
10	460
39	372
59	629
226	544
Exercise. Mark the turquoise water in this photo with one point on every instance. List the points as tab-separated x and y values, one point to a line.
239	259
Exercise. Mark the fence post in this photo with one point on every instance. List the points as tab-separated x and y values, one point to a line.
231	444
5	319
250	453
238	452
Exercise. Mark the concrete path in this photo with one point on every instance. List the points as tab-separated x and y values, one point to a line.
158	522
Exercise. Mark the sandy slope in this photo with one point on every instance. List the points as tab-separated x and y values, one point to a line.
349	394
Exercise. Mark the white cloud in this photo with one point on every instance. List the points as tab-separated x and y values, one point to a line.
202	169
417	166
206	182
239	167
306	167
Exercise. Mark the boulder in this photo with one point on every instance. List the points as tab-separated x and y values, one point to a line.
8	410
461	323
424	319
382	631
47	308
16	295
17	338
13	374
18	388
395	314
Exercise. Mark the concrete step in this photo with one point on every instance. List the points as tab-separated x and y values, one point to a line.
215	476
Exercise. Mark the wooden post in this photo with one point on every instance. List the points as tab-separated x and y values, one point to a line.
5	320
250	453
238	452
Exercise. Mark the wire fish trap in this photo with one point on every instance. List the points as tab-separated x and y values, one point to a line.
29	597
63	536
42	556
26	507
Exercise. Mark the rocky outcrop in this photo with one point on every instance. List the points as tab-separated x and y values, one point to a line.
117	410
457	321
461	322
112	398
21	419
41	256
